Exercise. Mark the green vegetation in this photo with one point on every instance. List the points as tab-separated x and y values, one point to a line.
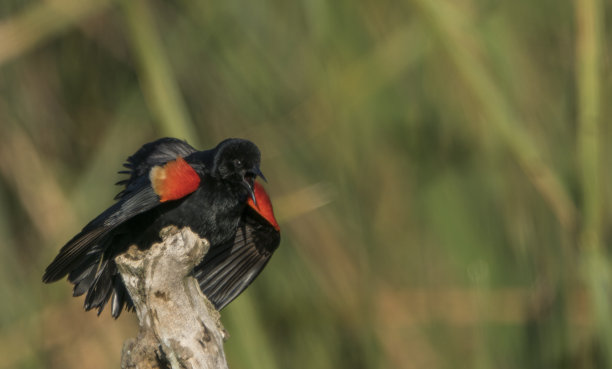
440	170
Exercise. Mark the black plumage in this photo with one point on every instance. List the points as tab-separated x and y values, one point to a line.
214	192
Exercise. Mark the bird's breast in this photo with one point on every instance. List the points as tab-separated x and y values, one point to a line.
213	212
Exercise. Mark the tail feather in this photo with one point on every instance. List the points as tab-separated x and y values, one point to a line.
70	256
100	290
84	280
120	297
91	271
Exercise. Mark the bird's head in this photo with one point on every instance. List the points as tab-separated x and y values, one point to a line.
237	161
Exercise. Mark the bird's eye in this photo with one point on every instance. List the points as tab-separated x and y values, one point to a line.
237	163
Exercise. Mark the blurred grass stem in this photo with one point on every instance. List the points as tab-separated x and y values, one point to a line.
588	46
38	23
159	85
588	76
450	22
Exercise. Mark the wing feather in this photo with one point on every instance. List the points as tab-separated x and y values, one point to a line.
229	269
87	258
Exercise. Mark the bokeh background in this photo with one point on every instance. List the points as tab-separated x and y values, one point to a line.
440	170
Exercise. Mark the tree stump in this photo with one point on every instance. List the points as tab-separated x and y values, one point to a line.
179	327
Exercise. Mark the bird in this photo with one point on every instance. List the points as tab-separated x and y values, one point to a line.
214	192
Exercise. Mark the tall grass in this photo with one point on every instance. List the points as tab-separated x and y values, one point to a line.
439	170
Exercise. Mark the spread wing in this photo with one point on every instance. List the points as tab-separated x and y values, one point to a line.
87	258
229	269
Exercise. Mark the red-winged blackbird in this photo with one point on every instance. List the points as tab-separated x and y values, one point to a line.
213	192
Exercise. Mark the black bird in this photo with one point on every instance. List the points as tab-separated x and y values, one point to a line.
214	192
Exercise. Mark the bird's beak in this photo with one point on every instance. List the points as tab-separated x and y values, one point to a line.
249	188
249	184
259	173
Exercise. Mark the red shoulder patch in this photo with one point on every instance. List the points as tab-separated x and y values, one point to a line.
175	180
264	205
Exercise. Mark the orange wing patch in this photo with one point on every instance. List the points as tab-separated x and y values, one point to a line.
175	180
264	205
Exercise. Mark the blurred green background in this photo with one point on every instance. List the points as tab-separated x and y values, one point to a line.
440	170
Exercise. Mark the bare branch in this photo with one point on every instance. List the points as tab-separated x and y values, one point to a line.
179	327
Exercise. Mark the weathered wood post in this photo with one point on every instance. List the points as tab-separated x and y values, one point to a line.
179	327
